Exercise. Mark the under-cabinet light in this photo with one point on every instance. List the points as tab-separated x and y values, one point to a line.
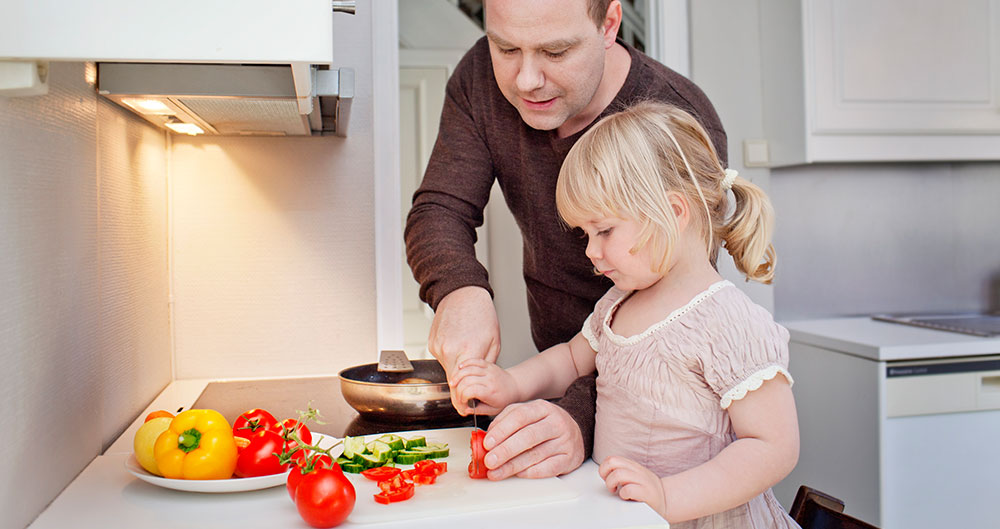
185	128
149	106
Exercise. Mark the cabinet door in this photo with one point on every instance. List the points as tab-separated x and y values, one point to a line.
903	66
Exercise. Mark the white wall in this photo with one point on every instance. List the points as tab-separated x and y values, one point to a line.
273	255
852	238
273	252
726	65
273	242
83	323
859	239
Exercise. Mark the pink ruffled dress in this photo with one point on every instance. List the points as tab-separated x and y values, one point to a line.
662	395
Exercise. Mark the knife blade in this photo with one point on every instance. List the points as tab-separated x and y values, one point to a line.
472	404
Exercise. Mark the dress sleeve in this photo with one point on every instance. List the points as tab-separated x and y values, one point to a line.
593	326
748	349
448	206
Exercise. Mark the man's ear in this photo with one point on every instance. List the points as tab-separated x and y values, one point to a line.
612	21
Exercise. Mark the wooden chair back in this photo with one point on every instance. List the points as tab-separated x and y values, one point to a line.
813	509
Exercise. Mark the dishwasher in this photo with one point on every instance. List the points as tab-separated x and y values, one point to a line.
901	423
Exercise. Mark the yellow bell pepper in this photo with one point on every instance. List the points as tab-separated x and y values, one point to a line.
198	445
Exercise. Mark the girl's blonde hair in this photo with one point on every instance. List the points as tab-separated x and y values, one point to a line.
624	167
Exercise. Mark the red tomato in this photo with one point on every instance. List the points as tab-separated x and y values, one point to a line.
287	426
380	473
477	468
324	497
258	458
253	421
295	476
292	483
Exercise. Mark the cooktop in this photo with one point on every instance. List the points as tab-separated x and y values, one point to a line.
974	323
284	397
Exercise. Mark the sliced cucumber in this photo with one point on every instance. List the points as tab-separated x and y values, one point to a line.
379	449
433	451
371	460
409	457
394	441
353	445
353	468
415	442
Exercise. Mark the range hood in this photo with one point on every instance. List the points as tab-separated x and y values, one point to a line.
254	67
231	99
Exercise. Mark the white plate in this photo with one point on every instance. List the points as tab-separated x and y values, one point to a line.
217	485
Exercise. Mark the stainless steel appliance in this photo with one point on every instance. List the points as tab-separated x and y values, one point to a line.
285	396
974	323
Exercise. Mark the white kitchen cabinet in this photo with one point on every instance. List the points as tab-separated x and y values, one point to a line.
880	80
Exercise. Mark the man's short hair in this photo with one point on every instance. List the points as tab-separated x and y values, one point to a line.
598	10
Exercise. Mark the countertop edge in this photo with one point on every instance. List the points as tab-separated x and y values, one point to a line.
886	341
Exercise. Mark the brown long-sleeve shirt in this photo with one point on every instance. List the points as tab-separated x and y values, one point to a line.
482	138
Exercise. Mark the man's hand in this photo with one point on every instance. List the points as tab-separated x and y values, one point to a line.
465	326
534	439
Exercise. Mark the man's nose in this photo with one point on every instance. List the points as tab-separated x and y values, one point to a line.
530	76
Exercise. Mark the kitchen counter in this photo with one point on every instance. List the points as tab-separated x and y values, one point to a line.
106	495
886	341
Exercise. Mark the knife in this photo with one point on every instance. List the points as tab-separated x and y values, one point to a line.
472	403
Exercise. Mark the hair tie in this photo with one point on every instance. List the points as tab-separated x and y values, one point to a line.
727	182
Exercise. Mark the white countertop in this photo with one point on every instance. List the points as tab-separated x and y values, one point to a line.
886	341
106	495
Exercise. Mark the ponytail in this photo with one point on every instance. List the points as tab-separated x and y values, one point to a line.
747	234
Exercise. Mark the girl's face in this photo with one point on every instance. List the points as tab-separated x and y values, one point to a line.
609	241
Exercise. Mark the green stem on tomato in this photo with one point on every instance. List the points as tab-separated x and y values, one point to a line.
309	463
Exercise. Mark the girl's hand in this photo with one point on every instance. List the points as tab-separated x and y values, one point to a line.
494	387
632	481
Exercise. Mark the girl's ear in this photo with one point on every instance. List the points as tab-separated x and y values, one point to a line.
681	208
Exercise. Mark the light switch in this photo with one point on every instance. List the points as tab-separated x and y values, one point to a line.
755	153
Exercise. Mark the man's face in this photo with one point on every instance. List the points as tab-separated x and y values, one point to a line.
548	57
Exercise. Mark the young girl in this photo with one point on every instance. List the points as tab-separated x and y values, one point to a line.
695	414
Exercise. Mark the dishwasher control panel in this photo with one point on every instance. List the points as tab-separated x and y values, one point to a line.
942	386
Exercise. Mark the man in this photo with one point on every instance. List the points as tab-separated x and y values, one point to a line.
515	105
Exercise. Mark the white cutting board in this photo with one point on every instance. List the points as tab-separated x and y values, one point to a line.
454	492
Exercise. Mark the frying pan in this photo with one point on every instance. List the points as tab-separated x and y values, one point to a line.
380	396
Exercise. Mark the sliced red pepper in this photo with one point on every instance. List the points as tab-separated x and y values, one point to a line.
477	468
380	473
427	465
392	483
403	493
424	479
430	467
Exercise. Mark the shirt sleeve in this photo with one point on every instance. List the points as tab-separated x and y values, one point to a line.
748	349
447	208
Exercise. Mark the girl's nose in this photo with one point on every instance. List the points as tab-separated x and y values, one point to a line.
593	250
530	76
